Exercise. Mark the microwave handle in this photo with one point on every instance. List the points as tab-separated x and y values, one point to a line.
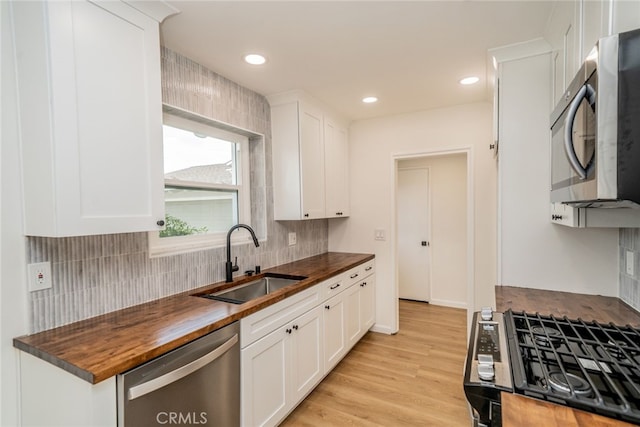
588	92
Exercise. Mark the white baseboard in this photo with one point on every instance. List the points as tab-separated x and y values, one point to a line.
447	303
383	329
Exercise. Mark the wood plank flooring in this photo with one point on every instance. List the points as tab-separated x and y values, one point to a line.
587	307
413	378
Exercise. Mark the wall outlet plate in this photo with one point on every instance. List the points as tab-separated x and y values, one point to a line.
293	238
39	276
379	234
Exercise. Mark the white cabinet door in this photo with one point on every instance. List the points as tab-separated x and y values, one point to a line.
90	101
336	160
353	326
280	369
333	318
306	368
626	15
311	162
367	302
594	24
265	399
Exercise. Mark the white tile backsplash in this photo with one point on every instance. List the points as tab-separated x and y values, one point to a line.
629	240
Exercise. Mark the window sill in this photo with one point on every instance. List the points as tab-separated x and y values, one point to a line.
177	246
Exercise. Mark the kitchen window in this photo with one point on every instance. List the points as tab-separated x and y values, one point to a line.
206	185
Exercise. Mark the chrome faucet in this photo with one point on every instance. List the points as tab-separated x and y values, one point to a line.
229	266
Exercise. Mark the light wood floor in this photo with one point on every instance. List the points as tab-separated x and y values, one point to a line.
413	378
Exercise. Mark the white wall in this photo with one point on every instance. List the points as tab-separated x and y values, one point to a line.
13	304
534	252
372	146
448	239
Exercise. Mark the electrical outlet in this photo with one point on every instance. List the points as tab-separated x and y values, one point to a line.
630	263
379	234
39	276
293	238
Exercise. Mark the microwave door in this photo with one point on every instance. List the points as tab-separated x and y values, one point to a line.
573	147
579	132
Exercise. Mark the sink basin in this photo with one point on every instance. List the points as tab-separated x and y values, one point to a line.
256	288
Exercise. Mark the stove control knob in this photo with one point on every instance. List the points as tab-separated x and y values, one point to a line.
486	370
486	313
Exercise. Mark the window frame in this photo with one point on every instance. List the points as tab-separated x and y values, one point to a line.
162	246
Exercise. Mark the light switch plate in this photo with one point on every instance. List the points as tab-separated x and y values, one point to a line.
379	234
39	276
293	238
630	263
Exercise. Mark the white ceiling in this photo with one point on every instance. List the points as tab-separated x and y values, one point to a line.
408	54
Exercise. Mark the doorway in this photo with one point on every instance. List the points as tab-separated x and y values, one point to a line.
433	193
413	218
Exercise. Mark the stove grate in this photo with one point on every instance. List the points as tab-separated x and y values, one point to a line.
587	365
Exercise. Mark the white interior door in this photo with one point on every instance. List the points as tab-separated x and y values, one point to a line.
413	234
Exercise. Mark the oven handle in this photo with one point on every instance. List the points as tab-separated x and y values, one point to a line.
173	376
586	91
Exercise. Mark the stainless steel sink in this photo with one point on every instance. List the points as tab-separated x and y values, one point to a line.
262	286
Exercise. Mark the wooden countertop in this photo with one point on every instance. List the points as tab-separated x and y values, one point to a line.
101	347
521	411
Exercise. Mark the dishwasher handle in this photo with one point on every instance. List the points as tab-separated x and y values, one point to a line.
173	376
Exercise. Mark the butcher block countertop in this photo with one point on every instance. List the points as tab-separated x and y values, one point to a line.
521	411
101	347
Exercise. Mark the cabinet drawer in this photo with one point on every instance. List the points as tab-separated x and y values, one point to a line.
356	274
333	286
368	268
353	276
260	323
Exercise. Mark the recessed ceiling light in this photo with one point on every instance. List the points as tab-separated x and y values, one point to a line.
255	59
469	80
369	99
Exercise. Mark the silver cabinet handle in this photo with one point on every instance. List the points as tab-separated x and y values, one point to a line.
173	376
589	93
368	268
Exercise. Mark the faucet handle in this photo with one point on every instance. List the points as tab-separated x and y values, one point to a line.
235	265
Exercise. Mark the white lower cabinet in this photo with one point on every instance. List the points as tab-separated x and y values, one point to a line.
367	303
280	369
264	380
335	345
307	367
353	321
286	352
51	396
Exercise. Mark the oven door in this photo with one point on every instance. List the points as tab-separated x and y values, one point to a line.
573	145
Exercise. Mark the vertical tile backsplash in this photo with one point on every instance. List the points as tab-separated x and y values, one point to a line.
629	240
93	275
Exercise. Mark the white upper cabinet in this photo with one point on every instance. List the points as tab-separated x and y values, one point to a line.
310	150
595	24
625	15
90	117
311	146
336	153
576	26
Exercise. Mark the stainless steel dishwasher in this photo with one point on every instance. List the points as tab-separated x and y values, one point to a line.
196	384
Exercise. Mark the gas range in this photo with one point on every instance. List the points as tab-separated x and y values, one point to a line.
590	366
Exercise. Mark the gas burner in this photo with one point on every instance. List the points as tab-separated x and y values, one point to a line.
618	348
561	383
546	336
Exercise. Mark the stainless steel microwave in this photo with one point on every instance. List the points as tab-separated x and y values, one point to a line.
595	129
